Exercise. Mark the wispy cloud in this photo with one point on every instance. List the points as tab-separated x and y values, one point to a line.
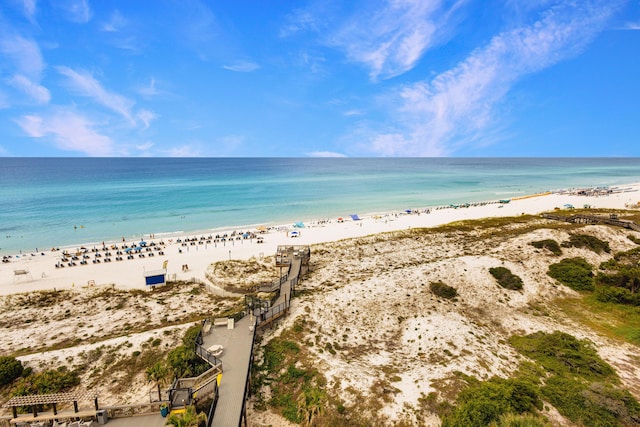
77	11
242	67
86	85
39	93
390	40
24	55
149	90
146	117
439	116
69	131
634	26
115	23
183	151
299	20
326	154
29	7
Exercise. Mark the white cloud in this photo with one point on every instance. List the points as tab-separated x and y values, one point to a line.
392	39
115	23
436	117
39	93
149	90
146	117
24	55
243	67
69	131
29	7
635	26
77	11
86	85
144	147
325	154
183	151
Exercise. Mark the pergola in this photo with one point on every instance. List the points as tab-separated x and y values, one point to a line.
52	399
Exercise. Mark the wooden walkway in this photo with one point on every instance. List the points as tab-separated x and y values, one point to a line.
236	364
237	356
594	219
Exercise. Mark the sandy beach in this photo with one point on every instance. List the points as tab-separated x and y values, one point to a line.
94	324
190	261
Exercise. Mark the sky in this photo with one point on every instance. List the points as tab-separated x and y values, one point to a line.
356	78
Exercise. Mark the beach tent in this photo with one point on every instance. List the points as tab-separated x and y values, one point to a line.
355	217
299	224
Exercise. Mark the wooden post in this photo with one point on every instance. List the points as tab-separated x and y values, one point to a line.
55	409
15	411
75	406
95	403
35	411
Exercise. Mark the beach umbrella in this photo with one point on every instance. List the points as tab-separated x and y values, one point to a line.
137	248
128	250
143	243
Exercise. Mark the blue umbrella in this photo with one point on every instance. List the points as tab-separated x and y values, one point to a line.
128	250
143	243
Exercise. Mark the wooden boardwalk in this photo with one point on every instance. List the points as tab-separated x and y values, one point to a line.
237	356
236	364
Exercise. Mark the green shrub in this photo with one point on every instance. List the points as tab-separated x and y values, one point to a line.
561	353
47	382
506	278
10	369
591	405
521	420
442	290
579	384
575	273
617	295
548	244
486	402
589	242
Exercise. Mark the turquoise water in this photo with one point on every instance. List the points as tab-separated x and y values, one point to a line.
65	201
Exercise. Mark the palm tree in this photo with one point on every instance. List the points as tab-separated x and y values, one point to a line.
310	405
189	418
158	373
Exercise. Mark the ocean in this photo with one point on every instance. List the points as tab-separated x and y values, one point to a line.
47	202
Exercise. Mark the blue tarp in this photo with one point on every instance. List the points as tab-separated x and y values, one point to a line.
355	217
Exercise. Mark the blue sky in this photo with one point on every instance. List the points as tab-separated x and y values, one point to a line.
358	78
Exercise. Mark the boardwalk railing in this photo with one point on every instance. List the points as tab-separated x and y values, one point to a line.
273	314
594	219
214	405
208	357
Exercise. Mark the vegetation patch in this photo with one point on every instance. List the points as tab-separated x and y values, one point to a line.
487	402
589	242
582	386
619	279
442	290
506	278
575	273
548	244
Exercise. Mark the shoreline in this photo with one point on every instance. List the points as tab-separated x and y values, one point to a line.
40	272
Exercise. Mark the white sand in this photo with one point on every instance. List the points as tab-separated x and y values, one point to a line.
130	273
